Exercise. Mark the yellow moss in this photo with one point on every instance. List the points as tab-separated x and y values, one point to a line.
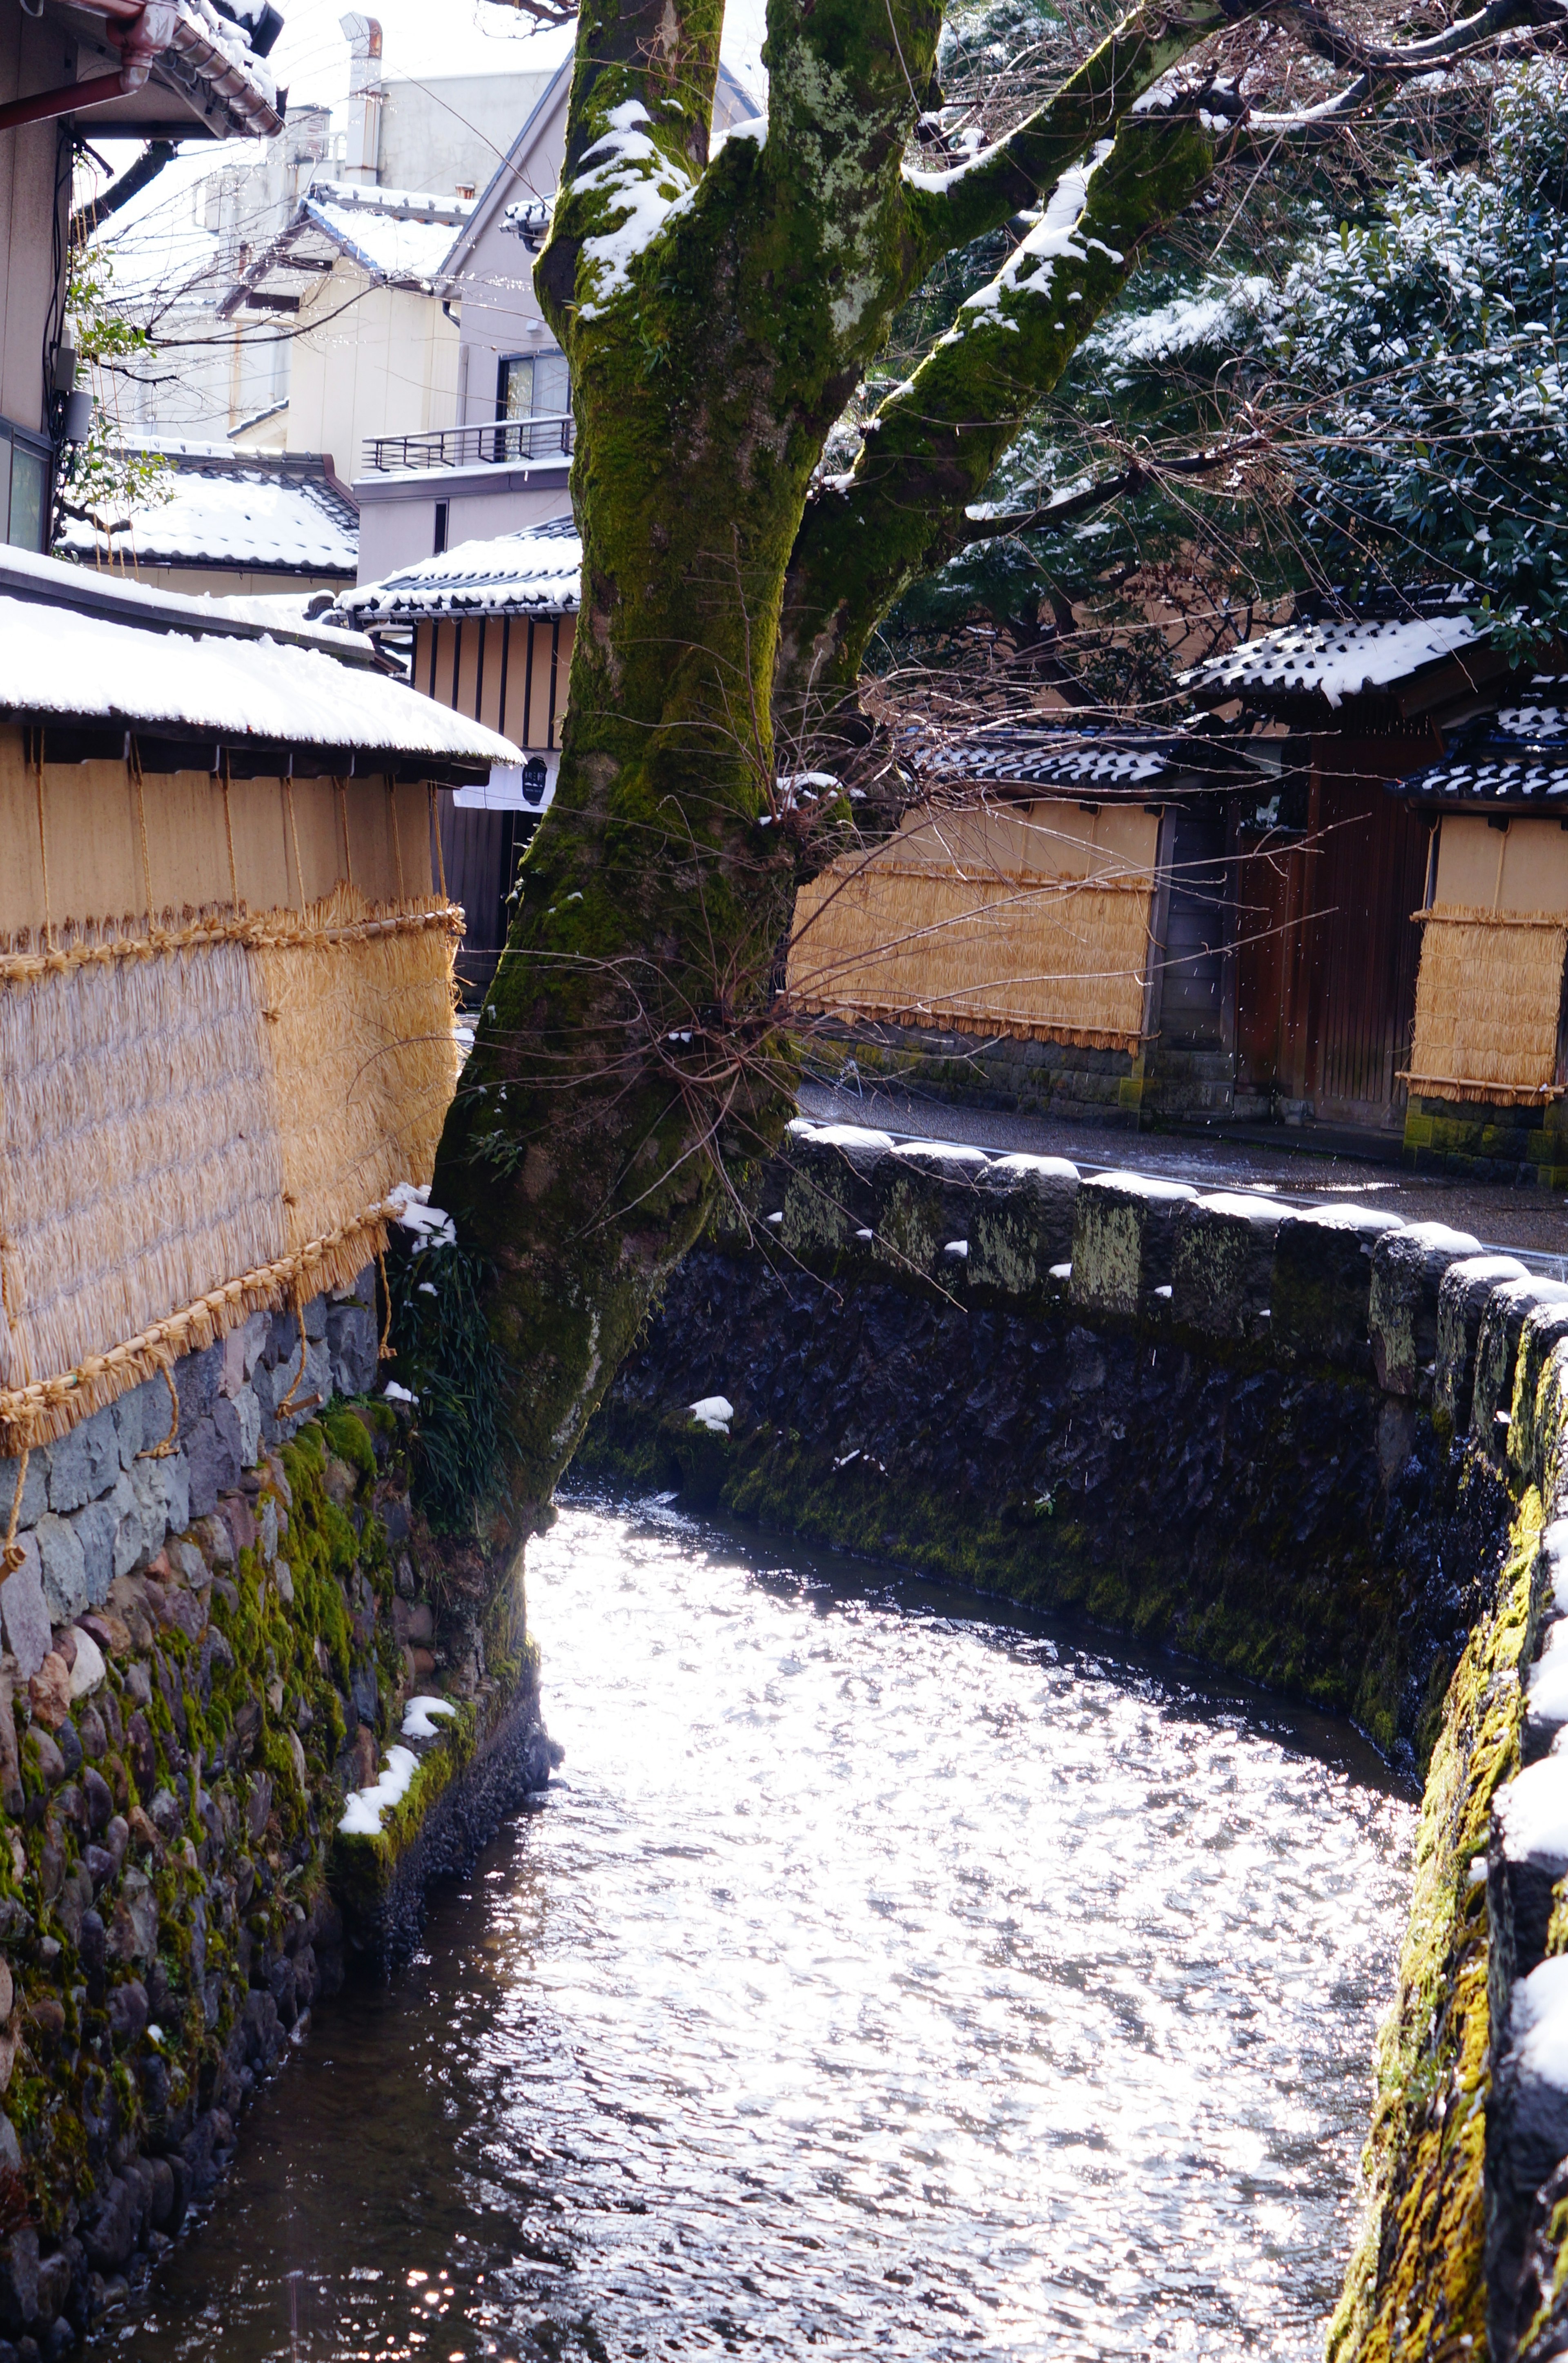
1416	2286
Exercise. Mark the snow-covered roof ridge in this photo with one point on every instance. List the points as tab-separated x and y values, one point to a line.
536	571
103	591
1335	659
58	665
425	205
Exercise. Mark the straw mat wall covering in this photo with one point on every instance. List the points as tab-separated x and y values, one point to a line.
199	1122
1488	999
1043	959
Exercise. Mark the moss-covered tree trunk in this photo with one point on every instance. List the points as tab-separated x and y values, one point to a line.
717	314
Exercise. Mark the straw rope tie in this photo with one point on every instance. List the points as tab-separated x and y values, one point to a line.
170	1442
12	1556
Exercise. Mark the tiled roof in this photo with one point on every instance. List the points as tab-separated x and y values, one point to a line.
278	513
1331	661
1501	780
535	571
1069	757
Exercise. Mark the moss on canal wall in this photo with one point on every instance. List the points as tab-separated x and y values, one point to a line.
177	1743
1417	2284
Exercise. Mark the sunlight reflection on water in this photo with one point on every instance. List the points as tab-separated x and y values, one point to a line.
877	1979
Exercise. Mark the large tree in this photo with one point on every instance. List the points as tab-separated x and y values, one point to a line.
719	310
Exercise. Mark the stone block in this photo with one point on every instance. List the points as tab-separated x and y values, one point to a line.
1222	1270
1497	1355
1526	2137
35	1491
1124	1232
212	1456
1538	1423
126	1513
315	1320
1546	1694
1408	1267
924	1196
1022	1224
24	1615
63	1567
163	1499
141	1418
1322	1291
83	1464
94	1528
197	1378
1461	1300
242	1352
355	1344
828	1198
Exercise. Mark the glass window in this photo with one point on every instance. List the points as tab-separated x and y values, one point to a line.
30	498
532	385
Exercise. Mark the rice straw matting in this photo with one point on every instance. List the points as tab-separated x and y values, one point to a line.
1488	999
190	1132
1045	959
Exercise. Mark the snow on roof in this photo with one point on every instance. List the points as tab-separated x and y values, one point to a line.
400	236
1505	780
1068	758
223	507
199	43
1544	718
535	571
1335	660
56	663
105	591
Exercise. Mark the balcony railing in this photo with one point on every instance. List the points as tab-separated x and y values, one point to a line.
498	442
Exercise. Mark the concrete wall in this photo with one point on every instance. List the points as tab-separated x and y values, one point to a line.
34	55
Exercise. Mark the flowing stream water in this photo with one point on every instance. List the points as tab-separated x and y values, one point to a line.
886	1973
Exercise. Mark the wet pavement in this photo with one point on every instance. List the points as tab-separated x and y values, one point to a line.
1526	1220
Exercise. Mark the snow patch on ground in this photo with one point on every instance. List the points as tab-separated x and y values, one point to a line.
713	1413
363	1808
416	1720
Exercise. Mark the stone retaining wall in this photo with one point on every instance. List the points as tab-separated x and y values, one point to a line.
211	1644
1313	1446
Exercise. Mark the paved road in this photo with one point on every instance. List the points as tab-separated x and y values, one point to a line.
1526	1220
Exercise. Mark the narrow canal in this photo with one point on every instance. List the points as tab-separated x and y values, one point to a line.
885	1974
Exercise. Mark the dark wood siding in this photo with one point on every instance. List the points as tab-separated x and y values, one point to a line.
1192	991
1369	863
481	850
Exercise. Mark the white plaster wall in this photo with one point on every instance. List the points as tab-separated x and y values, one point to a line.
369	360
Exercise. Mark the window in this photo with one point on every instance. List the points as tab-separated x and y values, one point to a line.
29	496
533	387
24	487
441	514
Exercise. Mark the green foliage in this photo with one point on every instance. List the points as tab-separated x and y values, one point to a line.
1425	348
101	479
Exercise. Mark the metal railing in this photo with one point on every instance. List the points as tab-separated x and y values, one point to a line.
497	442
